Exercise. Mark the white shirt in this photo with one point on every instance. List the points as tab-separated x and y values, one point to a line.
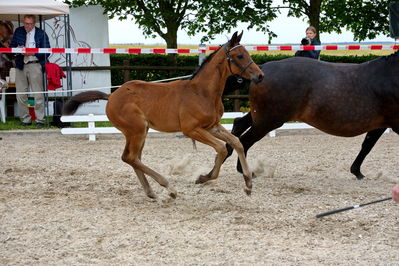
30	43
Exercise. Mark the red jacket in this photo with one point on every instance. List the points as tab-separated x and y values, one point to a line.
54	75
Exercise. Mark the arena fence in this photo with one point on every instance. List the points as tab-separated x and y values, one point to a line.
91	130
196	51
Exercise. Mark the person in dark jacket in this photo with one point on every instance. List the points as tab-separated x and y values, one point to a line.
30	68
310	39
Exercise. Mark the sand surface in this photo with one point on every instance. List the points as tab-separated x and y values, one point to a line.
65	200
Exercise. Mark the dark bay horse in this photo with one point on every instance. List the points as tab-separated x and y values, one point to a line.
340	99
193	107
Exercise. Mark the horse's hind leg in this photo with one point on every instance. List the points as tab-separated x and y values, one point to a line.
239	126
143	180
368	143
132	154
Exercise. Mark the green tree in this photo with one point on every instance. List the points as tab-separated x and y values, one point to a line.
364	18
207	17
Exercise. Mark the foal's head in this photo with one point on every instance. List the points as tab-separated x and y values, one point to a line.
240	62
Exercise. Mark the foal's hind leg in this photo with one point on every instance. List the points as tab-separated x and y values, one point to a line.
143	180
134	145
368	143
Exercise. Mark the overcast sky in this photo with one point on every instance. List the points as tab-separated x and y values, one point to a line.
289	30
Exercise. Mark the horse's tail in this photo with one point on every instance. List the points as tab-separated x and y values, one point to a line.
72	104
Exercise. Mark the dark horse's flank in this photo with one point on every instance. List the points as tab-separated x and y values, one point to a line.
340	99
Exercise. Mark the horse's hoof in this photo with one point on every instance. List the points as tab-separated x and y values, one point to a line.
359	176
201	179
248	191
152	195
248	182
355	170
172	193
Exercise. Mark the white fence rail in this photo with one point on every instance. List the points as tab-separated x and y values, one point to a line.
91	130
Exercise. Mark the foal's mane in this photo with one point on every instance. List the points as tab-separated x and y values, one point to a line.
206	60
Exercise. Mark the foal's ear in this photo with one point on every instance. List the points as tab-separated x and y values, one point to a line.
233	40
239	37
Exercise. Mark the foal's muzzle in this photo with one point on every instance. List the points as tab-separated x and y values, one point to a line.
258	78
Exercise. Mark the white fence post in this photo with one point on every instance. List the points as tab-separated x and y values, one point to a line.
92	126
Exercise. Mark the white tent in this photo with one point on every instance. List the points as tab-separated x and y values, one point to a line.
12	9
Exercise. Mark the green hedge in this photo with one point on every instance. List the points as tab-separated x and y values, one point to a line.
260	59
183	60
150	60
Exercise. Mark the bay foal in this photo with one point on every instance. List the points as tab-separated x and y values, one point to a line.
193	107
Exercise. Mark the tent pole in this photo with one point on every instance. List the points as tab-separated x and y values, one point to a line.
68	56
42	24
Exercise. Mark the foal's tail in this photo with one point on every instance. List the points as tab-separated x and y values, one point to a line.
72	105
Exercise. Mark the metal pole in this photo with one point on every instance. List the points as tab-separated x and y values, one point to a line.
46	108
351	207
126	72
68	62
201	55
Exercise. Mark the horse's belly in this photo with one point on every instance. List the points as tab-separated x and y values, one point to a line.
346	129
163	122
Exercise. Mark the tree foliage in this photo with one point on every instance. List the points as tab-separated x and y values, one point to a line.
206	17
364	18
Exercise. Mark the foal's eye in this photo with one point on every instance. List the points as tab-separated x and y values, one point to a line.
240	57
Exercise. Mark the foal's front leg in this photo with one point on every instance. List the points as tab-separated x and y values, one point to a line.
221	133
203	136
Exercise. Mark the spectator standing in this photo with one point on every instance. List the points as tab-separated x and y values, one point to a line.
30	68
310	39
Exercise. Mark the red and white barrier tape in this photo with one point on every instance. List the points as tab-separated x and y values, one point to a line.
87	89
195	51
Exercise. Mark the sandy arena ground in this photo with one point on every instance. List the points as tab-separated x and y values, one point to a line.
67	201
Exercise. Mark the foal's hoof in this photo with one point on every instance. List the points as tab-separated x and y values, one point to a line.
248	191
152	195
202	179
172	193
248	184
